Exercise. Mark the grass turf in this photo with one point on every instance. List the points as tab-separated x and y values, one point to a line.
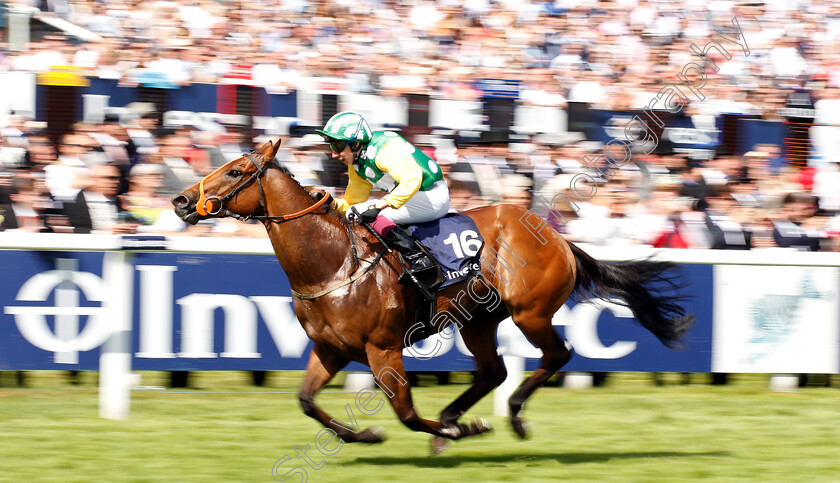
227	430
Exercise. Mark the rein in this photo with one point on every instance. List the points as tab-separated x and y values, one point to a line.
372	264
217	207
201	204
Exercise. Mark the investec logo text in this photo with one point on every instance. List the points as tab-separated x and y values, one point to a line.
581	332
156	317
241	316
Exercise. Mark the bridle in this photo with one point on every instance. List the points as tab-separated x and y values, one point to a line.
203	200
217	204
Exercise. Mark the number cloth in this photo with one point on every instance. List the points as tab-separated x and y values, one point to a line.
455	242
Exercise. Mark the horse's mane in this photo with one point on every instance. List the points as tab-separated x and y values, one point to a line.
285	170
329	209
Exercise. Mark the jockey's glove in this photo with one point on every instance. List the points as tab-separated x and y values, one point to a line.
369	215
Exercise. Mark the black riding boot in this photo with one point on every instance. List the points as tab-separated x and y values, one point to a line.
420	265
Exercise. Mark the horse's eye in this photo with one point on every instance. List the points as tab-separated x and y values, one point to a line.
235	173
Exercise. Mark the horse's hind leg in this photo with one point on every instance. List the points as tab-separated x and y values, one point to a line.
323	365
555	355
480	339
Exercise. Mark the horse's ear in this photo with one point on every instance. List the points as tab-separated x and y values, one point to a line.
269	149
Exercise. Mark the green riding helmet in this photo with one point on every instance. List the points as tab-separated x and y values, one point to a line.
346	126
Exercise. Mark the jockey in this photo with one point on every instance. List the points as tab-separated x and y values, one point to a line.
416	191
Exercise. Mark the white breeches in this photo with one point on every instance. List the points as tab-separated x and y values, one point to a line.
422	207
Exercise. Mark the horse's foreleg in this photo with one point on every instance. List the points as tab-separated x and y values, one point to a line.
388	369
555	355
323	365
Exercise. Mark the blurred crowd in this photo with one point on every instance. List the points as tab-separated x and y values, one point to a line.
614	54
756	200
117	176
110	177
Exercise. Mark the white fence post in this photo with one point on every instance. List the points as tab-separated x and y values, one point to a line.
516	371
115	360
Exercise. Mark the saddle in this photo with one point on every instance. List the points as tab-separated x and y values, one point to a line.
438	253
454	244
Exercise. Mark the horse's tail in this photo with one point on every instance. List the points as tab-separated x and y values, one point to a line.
639	286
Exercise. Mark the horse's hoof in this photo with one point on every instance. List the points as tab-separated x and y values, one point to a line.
458	431
480	426
520	427
439	445
375	434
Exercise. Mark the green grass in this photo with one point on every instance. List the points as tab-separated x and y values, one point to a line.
227	430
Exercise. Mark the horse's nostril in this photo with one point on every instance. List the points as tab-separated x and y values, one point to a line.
180	201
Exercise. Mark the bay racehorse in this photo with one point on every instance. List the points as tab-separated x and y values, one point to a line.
349	302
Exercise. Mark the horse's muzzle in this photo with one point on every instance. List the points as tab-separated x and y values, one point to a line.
185	209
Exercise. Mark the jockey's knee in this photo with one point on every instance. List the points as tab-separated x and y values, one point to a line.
382	225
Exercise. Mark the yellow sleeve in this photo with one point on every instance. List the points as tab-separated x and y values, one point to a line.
358	190
396	160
